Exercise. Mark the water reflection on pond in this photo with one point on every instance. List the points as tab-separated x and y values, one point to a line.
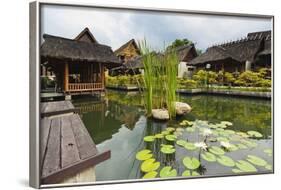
118	123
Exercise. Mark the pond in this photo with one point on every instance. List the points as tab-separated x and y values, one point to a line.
118	123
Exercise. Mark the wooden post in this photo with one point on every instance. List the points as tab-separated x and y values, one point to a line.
102	76
66	74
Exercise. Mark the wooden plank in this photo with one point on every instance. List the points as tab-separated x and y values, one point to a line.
44	135
52	159
69	150
43	107
69	171
85	144
57	107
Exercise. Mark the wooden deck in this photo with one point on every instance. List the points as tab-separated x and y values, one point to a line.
56	108
66	146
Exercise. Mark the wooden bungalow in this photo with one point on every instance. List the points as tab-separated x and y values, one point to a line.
127	51
79	64
249	53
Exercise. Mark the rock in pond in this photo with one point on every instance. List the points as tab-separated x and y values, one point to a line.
182	108
161	114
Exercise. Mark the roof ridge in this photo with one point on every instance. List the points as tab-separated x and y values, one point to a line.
45	36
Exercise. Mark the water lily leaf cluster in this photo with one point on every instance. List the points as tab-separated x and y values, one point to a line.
214	144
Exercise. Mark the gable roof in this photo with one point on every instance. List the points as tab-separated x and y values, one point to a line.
86	32
240	50
184	51
132	41
79	51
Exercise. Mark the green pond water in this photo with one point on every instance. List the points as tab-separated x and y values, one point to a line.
118	123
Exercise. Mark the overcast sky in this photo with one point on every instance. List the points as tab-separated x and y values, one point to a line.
115	27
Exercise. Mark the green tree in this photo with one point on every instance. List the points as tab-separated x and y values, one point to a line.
179	42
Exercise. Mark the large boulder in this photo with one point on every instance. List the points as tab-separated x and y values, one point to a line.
160	114
182	108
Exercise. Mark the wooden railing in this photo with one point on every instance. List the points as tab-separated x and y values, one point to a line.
77	87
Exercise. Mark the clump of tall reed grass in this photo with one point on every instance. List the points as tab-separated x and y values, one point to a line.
160	79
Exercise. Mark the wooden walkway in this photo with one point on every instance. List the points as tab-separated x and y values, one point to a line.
56	108
66	146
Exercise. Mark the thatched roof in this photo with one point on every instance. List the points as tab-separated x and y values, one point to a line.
240	50
120	49
135	63
184	51
77	51
86	32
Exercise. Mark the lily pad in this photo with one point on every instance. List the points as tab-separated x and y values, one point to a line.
221	125
249	143
150	165
144	154
224	139
232	147
194	173
230	132
226	123
213	139
165	132
159	136
170	129
167	150
245	166
268	167
171	137
241	146
254	134
208	157
186	173
167	171
189	146
191	163
256	160
181	142
216	150
167	145
148	138
268	151
213	126
235	170
242	134
150	175
226	161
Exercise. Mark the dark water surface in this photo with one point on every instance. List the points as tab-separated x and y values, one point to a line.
118	124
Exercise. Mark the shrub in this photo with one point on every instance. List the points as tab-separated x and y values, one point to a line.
187	83
247	78
201	77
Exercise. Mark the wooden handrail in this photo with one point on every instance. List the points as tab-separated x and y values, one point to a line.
74	87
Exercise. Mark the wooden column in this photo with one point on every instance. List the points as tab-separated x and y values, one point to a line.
102	75
66	76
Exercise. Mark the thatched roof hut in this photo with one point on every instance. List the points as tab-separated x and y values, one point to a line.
127	51
77	51
79	64
240	51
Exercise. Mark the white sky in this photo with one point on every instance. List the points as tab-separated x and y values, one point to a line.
114	27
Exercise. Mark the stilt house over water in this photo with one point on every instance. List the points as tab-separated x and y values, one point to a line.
79	64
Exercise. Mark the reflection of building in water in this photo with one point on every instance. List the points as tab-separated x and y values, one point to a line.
104	118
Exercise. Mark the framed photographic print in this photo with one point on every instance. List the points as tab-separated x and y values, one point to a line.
131	94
